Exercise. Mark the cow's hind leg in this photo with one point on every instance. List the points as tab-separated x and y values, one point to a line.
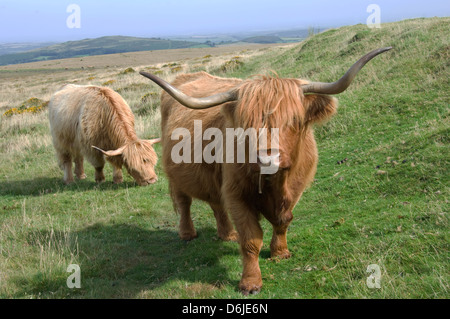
182	204
225	229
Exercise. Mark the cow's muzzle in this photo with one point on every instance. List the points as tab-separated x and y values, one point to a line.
148	182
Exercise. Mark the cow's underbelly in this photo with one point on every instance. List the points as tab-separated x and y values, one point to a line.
201	181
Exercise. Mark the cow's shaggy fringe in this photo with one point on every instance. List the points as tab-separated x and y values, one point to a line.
260	100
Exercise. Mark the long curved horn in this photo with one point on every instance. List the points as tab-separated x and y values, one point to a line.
193	102
343	83
116	152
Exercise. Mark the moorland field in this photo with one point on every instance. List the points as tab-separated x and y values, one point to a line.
380	195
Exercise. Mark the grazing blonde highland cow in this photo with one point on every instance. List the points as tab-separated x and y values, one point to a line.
85	121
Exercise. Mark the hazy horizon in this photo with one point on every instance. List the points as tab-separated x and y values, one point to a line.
46	21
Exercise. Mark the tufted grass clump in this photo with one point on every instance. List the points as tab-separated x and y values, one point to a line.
176	69
109	82
127	71
148	104
133	87
147	96
232	65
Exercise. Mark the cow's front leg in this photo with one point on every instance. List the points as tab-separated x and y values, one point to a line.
79	167
68	176
99	176
117	174
278	245
98	161
251	241
65	161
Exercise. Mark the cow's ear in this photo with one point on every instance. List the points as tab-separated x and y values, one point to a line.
319	108
228	111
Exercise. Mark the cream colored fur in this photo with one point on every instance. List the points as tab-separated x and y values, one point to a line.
85	116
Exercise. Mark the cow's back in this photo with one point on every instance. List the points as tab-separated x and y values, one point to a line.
65	109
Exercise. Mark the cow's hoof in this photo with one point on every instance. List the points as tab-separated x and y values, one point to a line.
117	180
82	176
188	236
248	287
68	181
232	236
99	176
280	254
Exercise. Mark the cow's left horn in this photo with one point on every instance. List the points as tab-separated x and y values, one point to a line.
343	83
116	152
193	102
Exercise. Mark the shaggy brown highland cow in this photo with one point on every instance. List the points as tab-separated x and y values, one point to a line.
292	106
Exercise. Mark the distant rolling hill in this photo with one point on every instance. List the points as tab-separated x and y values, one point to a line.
98	46
263	39
9	48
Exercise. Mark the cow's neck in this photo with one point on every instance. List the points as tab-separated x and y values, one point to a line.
120	139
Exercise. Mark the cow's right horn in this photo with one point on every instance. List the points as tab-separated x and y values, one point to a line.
154	140
193	102
343	83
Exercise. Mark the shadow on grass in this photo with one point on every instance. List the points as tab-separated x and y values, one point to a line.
123	261
47	185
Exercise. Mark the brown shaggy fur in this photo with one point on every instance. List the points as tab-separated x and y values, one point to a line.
268	102
85	116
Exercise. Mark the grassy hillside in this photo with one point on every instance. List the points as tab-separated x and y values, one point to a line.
380	195
98	46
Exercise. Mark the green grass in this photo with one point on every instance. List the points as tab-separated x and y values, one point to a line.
386	204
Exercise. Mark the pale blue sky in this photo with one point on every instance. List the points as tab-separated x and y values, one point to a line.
28	20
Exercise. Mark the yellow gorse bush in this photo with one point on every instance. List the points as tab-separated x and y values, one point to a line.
32	105
147	96
109	82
